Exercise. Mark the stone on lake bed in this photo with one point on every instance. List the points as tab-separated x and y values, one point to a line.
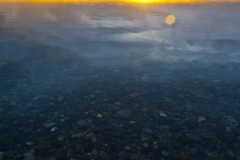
127	148
54	129
117	103
48	125
164	128
82	123
201	119
164	153
124	113
192	151
29	143
147	130
92	102
99	116
78	135
162	114
132	122
133	95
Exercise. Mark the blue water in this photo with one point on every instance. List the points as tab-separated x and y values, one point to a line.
114	81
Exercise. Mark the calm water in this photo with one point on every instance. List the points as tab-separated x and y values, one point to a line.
114	81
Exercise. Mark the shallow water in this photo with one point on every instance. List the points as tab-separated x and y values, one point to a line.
104	81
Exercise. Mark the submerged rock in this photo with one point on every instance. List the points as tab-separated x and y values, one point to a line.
133	95
147	130
48	125
1	155
201	119
163	115
125	113
29	156
99	116
78	135
193	151
164	128
82	123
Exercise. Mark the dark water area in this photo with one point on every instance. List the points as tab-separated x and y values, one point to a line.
114	81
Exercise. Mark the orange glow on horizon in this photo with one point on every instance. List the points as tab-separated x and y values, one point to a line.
118	1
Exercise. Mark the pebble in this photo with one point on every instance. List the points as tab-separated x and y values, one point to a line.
82	123
201	119
164	153
117	103
48	125
133	95
132	122
78	135
147	130
195	138
54	129
155	146
92	102
60	138
99	116
145	145
60	98
208	135
228	129
29	156
164	128
29	143
231	154
163	115
1	155
52	158
94	140
124	113
192	151
126	147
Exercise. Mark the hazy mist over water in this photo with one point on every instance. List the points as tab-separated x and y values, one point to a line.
115	37
205	33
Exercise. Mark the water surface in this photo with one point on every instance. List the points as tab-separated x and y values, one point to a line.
114	80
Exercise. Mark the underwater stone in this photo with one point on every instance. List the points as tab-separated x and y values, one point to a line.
124	113
127	148
29	156
147	130
99	116
48	125
201	119
132	122
82	123
163	115
164	128
54	129
78	135
1	155
133	95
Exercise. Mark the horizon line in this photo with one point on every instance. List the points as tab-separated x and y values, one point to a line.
123	1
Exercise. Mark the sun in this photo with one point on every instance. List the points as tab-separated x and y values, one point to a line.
170	19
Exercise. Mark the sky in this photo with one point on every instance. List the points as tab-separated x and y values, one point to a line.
140	29
118	1
121	36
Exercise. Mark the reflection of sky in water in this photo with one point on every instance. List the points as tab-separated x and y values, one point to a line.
67	71
121	32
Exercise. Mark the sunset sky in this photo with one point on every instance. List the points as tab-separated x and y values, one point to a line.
117	1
